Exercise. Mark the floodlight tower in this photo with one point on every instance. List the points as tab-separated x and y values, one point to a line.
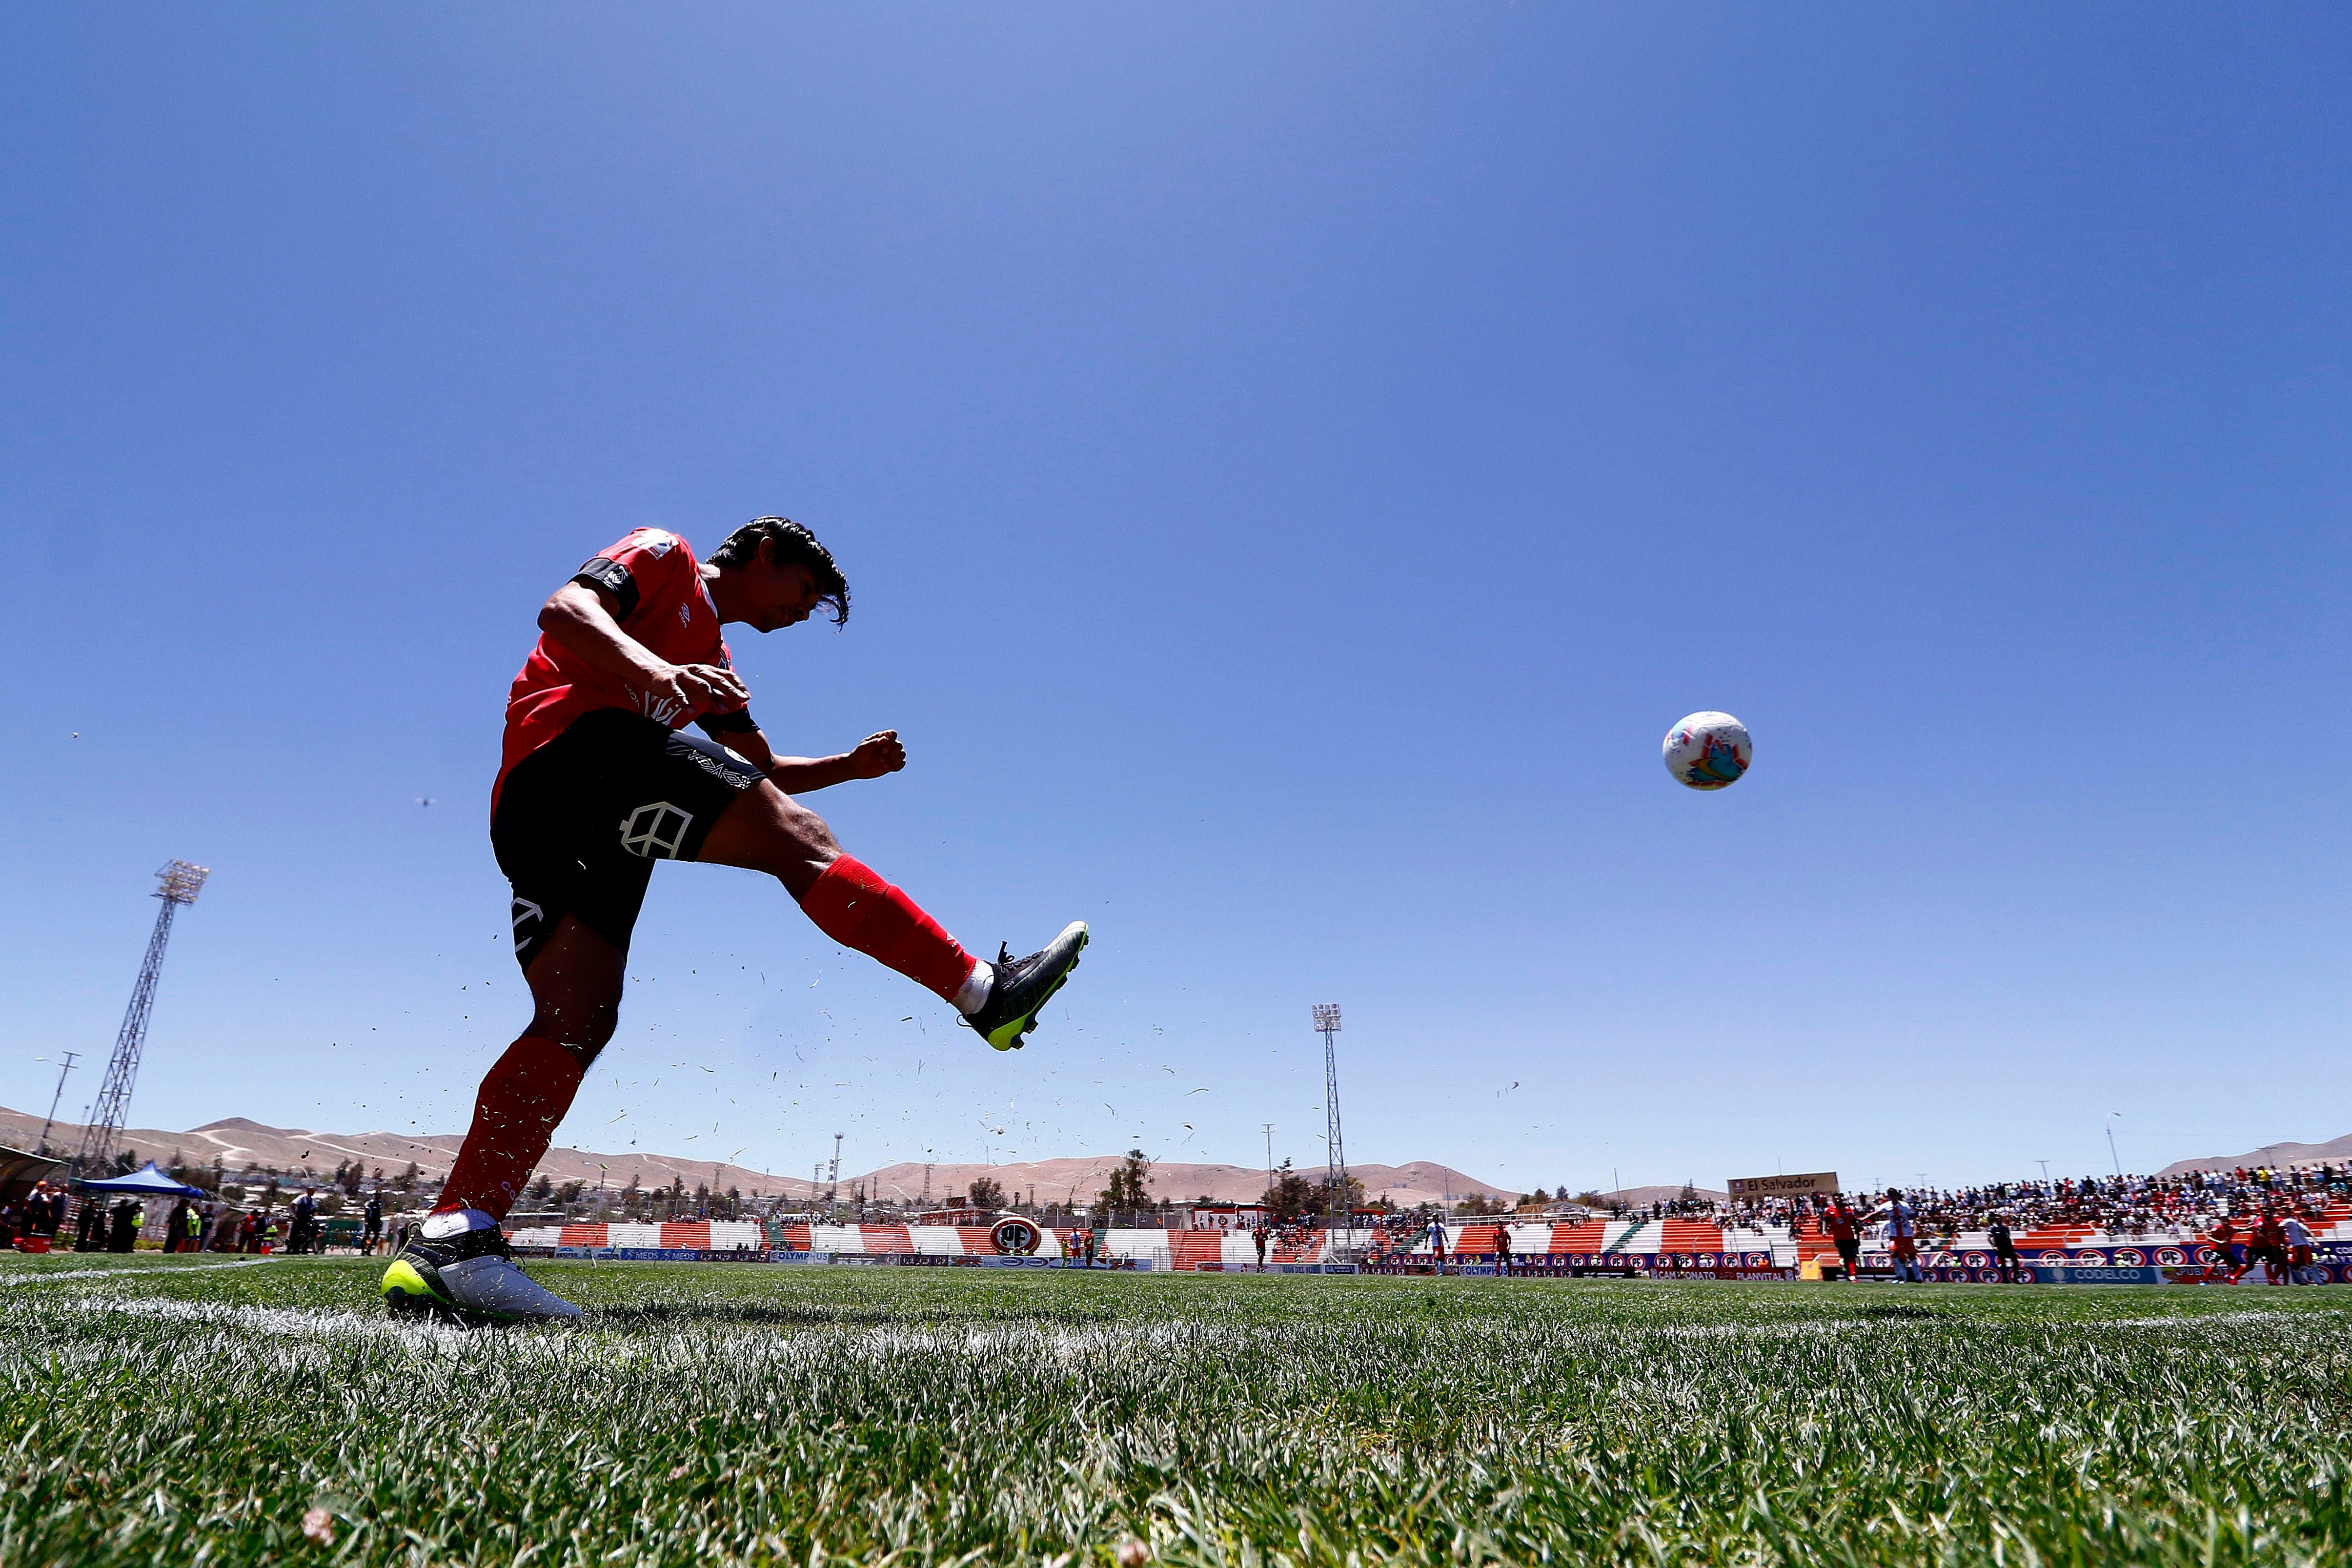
1335	1166
177	883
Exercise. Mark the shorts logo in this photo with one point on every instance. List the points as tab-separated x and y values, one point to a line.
525	914
720	771
656	831
686	614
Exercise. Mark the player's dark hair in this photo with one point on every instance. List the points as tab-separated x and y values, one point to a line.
794	543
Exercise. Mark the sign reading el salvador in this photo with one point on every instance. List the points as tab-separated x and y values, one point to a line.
1783	1186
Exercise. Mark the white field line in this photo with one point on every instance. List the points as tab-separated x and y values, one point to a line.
287	1322
126	1273
2201	1319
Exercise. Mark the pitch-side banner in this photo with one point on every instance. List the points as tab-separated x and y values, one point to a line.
1783	1186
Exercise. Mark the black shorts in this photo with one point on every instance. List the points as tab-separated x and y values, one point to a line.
581	820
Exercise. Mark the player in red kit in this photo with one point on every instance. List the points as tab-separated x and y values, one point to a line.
597	781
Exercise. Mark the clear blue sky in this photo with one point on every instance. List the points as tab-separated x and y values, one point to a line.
1292	465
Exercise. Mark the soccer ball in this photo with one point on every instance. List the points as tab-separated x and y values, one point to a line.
1709	751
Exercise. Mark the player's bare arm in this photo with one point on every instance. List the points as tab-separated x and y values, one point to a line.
870	759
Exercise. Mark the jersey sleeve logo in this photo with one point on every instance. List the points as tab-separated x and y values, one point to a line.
613	578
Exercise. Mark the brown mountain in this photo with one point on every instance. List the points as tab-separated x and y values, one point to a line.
236	1143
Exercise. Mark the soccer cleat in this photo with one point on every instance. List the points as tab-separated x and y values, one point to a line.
1024	986
468	1275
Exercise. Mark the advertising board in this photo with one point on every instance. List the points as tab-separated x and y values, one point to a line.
1752	1187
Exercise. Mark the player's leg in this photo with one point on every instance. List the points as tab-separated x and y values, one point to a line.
575	981
457	1258
577	890
763	829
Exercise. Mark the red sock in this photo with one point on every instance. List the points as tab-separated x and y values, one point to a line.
523	1096
858	909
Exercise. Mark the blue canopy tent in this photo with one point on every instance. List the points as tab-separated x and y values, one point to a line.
146	1182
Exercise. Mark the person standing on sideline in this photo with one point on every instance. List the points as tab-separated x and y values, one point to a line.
1902	1235
2270	1246
371	1234
1258	1234
302	1233
1844	1227
2300	1253
124	1236
44	1210
2223	1237
1437	1240
2004	1249
1502	1251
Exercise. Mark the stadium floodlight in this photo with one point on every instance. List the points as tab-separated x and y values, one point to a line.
1336	1209
180	882
177	883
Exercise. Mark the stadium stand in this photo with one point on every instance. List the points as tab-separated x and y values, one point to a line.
2124	1221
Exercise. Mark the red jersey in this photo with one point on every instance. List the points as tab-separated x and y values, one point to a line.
663	606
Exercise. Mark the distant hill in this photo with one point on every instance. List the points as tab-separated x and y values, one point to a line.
2274	1154
1665	1194
238	1141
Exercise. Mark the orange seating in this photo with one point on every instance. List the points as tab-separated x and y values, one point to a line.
1691	1236
1590	1236
1193	1248
886	1238
1477	1241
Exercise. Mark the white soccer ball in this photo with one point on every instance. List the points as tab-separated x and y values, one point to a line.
1709	751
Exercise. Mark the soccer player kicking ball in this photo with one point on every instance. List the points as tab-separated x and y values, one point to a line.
597	781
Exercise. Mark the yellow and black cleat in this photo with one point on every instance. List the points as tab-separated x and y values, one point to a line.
468	1276
1024	986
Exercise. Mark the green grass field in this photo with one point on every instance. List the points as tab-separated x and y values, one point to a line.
156	1412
